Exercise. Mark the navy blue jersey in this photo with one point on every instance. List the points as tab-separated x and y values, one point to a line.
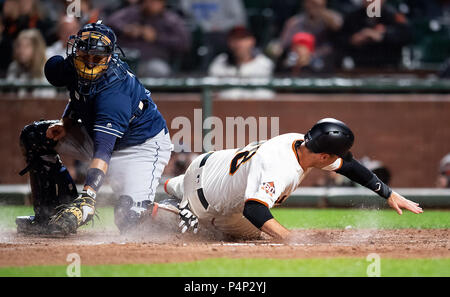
118	105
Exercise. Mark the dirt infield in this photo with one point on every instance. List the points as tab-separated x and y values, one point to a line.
96	247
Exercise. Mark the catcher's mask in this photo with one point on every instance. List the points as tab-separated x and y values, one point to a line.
92	50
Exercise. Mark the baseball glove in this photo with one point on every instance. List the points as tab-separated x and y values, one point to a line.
71	216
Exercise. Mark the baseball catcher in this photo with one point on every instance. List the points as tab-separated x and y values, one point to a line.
233	190
110	121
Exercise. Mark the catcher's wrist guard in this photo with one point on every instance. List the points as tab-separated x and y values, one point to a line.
71	216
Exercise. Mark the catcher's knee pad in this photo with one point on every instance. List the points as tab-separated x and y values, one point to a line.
127	213
51	183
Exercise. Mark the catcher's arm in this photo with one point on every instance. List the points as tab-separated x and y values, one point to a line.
259	215
363	176
103	148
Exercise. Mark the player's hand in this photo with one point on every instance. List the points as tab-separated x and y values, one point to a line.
148	33
359	38
132	30
187	219
56	131
397	202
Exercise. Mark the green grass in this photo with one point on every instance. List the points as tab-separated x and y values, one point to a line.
291	218
294	218
8	215
220	267
357	218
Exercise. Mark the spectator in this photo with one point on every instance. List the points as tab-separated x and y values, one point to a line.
67	26
283	11
108	7
88	13
374	41
242	60
377	167
33	16
8	31
29	57
318	20
299	58
214	18
443	180
432	9
158	33
19	15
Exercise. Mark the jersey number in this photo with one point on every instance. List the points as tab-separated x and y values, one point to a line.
244	155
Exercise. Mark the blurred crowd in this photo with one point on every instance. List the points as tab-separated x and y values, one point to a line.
237	38
233	38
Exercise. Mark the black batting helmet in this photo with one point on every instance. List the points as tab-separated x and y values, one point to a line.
330	136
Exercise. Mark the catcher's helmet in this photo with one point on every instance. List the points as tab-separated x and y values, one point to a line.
91	50
330	136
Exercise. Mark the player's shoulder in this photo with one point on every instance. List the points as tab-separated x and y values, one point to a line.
287	138
278	151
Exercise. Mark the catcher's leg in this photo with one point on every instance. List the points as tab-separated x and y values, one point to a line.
51	183
134	175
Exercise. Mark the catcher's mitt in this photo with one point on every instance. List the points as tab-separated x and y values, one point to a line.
71	216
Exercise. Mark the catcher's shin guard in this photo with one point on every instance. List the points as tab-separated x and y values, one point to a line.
51	183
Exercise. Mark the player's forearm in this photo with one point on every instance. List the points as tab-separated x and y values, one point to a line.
363	176
103	148
95	174
275	229
259	215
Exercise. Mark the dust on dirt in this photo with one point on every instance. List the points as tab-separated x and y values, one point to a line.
109	247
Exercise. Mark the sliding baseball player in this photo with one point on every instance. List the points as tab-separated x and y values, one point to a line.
233	190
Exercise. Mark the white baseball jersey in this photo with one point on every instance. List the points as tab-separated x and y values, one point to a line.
267	172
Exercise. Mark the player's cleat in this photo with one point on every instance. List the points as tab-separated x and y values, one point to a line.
170	204
29	225
71	216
